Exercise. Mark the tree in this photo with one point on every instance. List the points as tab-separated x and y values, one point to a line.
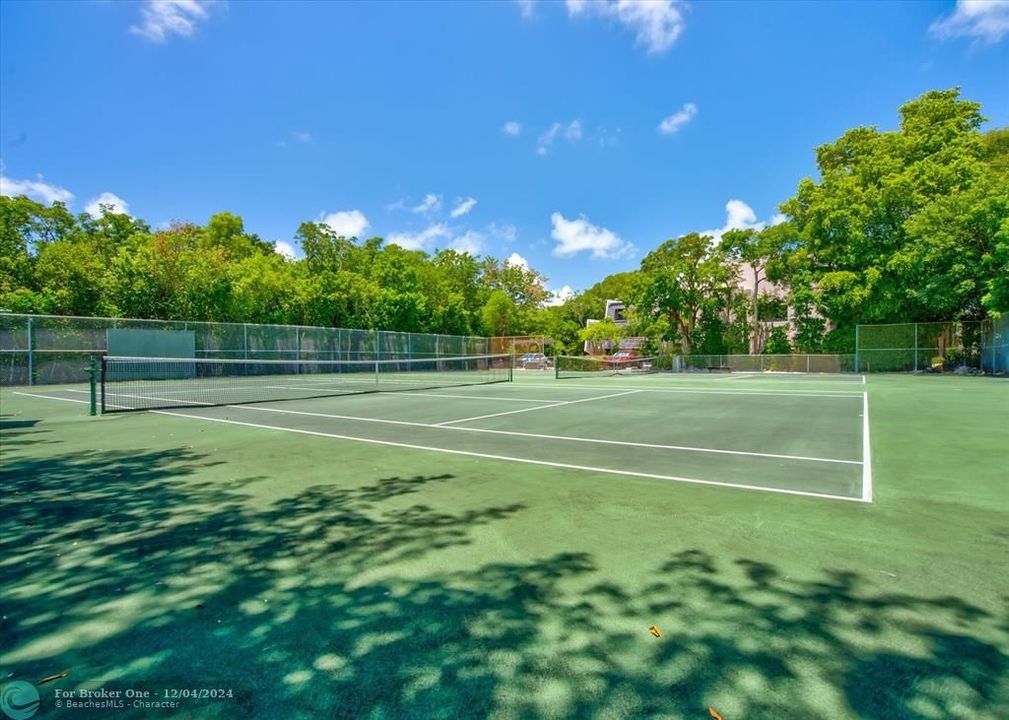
227	232
678	279
603	334
323	248
777	342
499	315
525	286
905	225
755	250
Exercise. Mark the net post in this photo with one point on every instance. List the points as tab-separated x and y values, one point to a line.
92	371
104	371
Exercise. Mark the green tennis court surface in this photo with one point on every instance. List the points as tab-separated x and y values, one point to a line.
500	550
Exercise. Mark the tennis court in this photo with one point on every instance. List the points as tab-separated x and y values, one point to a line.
438	547
690	429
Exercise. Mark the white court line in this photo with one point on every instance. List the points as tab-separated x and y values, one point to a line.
541	407
50	397
61	399
149	397
342	390
465	397
561	384
866	452
567	438
507	458
416	394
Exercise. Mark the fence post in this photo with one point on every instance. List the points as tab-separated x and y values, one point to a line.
245	340
857	365
916	347
31	368
807	363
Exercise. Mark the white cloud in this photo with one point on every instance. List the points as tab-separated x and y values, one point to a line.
505	233
463	207
656	23
418	241
575	236
116	204
302	136
430	203
346	223
559	297
572	131
740	216
162	18
674	122
35	189
547	138
284	248
986	20
512	128
517	260
471	242
527	8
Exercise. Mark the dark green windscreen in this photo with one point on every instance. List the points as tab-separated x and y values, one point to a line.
130	342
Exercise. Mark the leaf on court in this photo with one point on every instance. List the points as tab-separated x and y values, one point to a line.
49	679
714	713
655	631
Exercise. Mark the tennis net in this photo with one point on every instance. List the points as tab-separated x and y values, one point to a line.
576	366
143	383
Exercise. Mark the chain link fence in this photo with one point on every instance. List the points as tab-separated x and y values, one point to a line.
47	349
956	346
795	363
995	346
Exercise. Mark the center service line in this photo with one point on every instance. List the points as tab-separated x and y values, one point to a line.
540	407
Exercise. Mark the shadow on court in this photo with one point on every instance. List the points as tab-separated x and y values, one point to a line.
128	570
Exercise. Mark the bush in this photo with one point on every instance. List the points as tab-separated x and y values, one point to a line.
777	342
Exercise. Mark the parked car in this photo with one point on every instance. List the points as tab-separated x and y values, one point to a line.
622	356
533	361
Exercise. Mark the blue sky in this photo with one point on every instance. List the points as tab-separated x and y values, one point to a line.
575	135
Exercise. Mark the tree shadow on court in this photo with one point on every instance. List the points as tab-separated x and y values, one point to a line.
362	601
14	433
